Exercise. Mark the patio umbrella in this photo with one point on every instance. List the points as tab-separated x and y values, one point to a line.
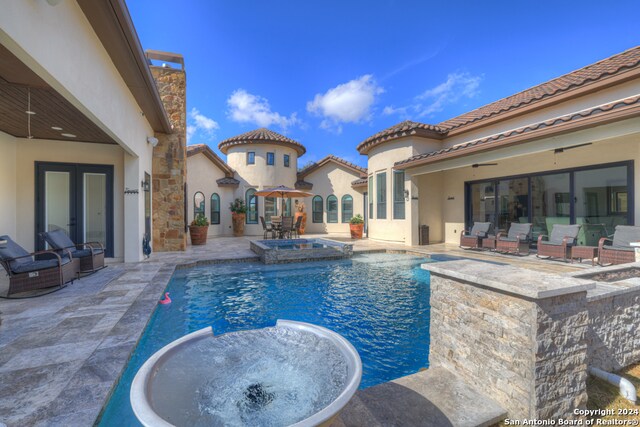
282	192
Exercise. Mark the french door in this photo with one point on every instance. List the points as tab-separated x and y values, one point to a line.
76	198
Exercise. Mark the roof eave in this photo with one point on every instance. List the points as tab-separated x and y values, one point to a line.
366	146
570	126
113	25
548	101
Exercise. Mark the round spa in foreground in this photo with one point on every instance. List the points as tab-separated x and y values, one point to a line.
292	374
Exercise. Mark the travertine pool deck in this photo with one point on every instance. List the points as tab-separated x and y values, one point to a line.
61	354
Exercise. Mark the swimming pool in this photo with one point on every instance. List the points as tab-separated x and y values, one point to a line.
379	302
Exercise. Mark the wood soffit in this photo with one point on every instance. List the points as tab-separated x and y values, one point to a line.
52	109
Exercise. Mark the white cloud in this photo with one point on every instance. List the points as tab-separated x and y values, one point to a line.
199	122
457	86
245	107
346	103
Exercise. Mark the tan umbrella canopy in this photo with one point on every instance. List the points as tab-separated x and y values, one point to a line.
282	192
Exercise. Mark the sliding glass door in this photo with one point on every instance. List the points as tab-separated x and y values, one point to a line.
598	197
76	198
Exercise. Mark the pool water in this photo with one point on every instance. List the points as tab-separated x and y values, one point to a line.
379	302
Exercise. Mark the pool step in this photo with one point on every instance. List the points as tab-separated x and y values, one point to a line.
434	397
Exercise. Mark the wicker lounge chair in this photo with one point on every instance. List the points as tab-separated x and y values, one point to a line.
618	250
28	274
516	241
91	254
473	238
559	243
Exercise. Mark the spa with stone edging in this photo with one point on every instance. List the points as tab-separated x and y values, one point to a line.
300	250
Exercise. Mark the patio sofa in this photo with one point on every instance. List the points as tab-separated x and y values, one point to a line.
619	250
26	273
558	244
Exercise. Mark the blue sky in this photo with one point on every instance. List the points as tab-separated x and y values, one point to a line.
330	73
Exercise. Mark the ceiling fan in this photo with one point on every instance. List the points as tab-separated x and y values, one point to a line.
477	165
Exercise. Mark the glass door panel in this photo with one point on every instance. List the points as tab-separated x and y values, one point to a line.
58	202
95	207
514	202
551	202
483	202
600	202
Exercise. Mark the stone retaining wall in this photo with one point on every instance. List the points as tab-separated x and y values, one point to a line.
614	330
517	335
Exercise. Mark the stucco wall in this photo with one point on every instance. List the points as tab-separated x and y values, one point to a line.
259	174
30	151
59	45
202	177
327	180
8	185
382	159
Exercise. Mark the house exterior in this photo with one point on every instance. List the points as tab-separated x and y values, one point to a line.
81	110
562	152
262	159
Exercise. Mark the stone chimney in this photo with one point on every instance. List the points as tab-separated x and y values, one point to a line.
169	170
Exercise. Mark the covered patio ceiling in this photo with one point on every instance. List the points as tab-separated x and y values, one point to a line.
17	83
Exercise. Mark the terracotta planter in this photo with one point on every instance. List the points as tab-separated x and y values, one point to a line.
356	230
238	223
304	220
198	234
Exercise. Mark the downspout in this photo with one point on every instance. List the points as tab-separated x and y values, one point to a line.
627	390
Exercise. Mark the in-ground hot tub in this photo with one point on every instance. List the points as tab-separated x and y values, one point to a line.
294	374
297	250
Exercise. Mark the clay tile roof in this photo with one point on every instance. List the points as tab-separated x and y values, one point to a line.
406	128
613	66
226	181
303	185
630	106
261	136
360	182
331	159
194	149
602	69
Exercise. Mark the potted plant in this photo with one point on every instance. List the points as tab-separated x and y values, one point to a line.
198	230
300	213
356	226
238	214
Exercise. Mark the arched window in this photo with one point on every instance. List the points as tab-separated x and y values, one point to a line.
316	208
270	208
251	201
332	208
215	209
347	208
198	204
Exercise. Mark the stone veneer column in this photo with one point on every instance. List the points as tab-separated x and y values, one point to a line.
517	335
169	172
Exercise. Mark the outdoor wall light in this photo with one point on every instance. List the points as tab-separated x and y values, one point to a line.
406	195
153	141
